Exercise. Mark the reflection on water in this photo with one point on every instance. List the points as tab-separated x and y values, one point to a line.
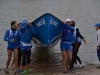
84	12
45	54
44	57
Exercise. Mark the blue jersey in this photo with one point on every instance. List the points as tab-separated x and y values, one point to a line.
26	36
67	33
9	35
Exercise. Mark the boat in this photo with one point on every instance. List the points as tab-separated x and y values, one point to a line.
47	27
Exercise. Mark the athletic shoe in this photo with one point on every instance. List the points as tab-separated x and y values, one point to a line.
75	66
98	67
27	70
81	66
23	73
18	71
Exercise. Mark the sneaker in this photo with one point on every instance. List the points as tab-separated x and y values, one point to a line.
18	71
23	73
81	66
27	70
98	67
75	66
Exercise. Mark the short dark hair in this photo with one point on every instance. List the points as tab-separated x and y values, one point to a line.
19	24
12	23
73	23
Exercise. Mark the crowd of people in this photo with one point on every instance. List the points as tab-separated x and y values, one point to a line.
70	44
19	43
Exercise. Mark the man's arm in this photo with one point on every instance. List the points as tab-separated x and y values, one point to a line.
23	27
6	36
19	34
78	34
33	30
98	40
62	28
69	27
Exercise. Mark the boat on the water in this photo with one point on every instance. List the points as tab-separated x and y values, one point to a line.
47	27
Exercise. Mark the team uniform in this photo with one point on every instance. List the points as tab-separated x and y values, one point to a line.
9	35
25	41
66	40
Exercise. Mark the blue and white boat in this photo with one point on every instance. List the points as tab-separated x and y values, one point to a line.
47	27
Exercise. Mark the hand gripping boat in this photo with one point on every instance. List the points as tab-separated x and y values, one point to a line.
47	27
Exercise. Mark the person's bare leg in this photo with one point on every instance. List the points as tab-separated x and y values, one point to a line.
9	58
27	66
69	58
24	68
11	67
64	60
21	66
18	66
16	59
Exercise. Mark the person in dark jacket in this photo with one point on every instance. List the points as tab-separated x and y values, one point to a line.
76	47
26	30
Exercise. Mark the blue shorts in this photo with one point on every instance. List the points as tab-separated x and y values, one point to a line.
11	48
66	46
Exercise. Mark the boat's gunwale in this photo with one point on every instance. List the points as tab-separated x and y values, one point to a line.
46	14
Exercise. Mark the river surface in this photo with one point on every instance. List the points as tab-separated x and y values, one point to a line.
85	13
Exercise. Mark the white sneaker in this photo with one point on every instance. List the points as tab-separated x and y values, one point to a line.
81	66
75	66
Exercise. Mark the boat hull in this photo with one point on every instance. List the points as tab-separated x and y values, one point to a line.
47	27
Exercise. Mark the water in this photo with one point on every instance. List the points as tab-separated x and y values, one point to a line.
84	12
